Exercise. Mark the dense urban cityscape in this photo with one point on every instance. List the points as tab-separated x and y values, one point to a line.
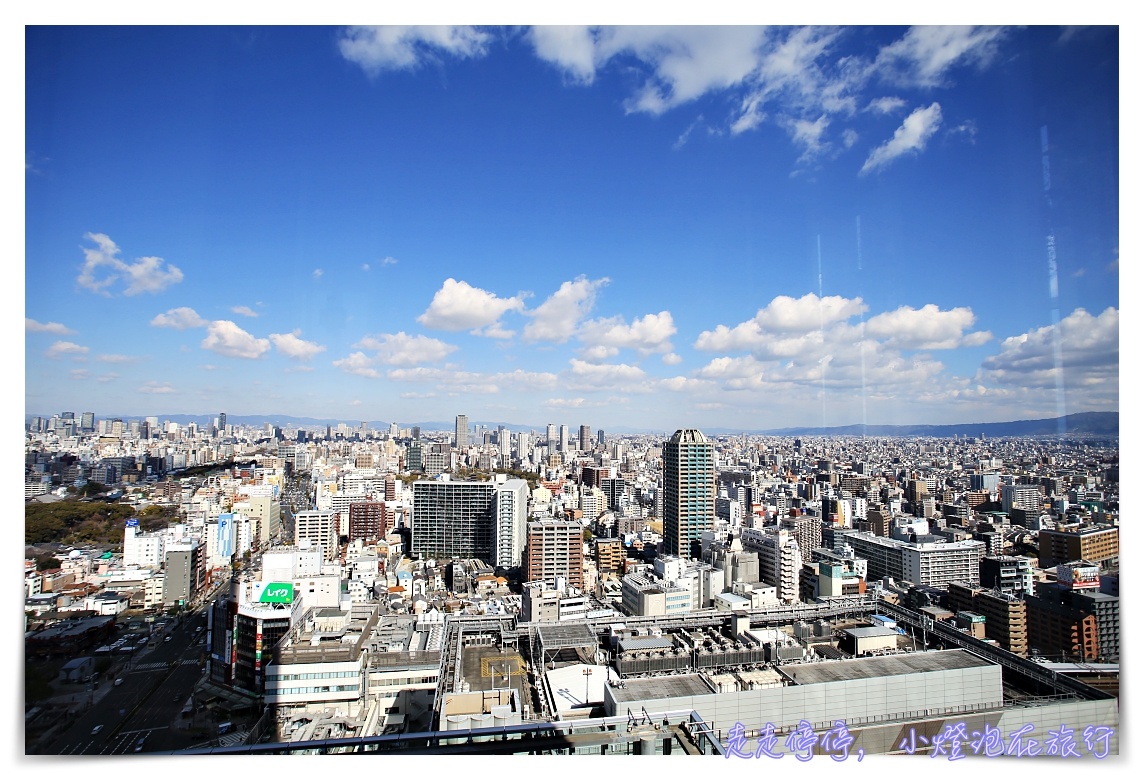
726	390
346	589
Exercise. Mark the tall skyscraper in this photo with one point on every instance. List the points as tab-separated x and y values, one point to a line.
688	490
563	438
222	422
87	422
462	432
585	438
551	438
600	437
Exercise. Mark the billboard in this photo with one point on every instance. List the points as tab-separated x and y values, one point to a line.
277	593
225	536
132	522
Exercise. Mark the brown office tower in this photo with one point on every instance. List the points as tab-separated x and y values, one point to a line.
555	549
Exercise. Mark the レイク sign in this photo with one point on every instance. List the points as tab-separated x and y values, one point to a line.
278	593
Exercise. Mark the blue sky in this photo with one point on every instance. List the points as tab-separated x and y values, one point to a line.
642	227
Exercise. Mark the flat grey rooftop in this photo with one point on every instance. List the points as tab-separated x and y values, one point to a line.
661	688
866	631
566	636
882	666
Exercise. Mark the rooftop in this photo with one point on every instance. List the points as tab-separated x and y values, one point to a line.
675	685
882	666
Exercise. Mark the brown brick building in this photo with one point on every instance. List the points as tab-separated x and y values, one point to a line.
555	549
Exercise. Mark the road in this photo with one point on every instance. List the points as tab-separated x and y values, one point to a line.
148	702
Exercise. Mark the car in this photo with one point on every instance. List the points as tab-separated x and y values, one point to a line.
139	744
97	729
119	681
166	639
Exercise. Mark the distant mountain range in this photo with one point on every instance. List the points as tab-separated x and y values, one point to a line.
1084	423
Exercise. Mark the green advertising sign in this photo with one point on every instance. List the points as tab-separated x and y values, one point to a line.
278	593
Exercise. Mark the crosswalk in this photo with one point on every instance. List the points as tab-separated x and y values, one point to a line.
163	665
150	667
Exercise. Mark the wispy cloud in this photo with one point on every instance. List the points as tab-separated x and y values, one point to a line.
317	273
925	55
910	138
791	76
103	268
157	388
113	358
245	311
31	326
394	47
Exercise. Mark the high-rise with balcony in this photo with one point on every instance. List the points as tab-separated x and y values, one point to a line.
688	491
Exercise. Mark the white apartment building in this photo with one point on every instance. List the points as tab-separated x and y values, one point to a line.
780	559
320	528
143	549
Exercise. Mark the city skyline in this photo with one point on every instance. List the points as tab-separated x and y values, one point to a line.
654	228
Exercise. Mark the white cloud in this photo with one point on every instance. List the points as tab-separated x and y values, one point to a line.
245	311
395	47
80	374
460	306
572	48
809	135
457	381
317	273
389	261
606	376
671	359
31	326
181	318
966	130
886	105
924	56
911	137
1089	353
111	358
648	334
558	317
926	328
357	363
293	347
226	338
808	312
400	349
785	326
365	266
155	388
102	268
61	348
